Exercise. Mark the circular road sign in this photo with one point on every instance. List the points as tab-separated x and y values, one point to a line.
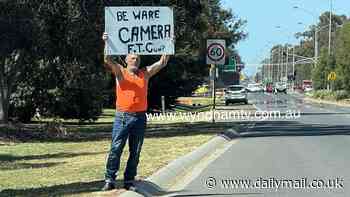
332	76
216	52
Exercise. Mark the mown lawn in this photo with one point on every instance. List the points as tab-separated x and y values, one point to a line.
75	166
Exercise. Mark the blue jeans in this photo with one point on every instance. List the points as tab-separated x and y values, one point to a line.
131	127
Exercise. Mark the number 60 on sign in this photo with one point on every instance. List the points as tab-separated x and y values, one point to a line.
216	51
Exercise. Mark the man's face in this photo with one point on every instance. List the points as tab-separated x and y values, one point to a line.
133	61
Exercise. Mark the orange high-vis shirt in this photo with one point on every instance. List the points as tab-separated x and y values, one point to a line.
131	92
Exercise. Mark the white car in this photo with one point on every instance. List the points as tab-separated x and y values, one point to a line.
280	87
255	87
308	89
236	94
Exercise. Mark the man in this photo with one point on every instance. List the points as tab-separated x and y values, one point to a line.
130	118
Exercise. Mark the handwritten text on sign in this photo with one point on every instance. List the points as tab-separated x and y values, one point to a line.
140	30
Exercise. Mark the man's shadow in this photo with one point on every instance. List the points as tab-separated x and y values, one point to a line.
148	189
60	190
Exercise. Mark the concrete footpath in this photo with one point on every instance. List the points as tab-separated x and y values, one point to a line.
172	177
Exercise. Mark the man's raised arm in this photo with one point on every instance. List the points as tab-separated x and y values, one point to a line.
156	67
109	64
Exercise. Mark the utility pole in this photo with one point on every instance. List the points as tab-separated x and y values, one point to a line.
269	68
287	62
279	64
316	46
330	27
293	67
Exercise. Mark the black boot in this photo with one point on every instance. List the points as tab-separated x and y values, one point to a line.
129	185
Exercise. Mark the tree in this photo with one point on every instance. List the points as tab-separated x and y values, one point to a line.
325	65
17	30
343	56
194	20
304	71
58	50
62	67
326	62
71	56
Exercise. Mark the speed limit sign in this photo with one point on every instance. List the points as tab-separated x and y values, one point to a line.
216	51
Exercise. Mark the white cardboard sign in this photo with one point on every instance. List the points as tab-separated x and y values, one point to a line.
139	30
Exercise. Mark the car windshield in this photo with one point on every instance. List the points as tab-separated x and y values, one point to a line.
253	85
237	88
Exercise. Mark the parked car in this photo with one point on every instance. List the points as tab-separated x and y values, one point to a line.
236	94
280	87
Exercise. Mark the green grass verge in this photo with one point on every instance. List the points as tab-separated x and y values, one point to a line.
67	168
74	166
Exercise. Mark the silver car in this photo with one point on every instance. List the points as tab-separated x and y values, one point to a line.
236	94
280	87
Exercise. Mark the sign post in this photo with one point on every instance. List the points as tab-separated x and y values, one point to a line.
215	56
139	30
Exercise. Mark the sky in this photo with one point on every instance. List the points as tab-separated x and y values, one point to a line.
264	15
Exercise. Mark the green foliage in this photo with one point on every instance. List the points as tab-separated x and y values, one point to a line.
63	54
325	65
54	50
341	94
343	56
326	62
321	94
331	95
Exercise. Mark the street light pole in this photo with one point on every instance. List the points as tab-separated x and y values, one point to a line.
269	67
316	46
286	74
330	27
317	29
294	78
273	65
287	52
279	64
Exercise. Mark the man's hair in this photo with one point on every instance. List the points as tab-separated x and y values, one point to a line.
138	56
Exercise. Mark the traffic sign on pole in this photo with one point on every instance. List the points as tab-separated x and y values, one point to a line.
216	51
332	76
231	67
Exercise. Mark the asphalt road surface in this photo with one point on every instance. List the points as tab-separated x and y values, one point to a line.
302	155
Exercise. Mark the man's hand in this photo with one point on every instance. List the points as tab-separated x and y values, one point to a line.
105	37
109	64
156	67
164	59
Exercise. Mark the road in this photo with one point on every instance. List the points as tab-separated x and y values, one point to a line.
298	153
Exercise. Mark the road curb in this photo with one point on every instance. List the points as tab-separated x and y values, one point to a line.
160	181
321	101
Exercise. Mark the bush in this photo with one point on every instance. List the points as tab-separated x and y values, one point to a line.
321	94
331	95
341	94
22	105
